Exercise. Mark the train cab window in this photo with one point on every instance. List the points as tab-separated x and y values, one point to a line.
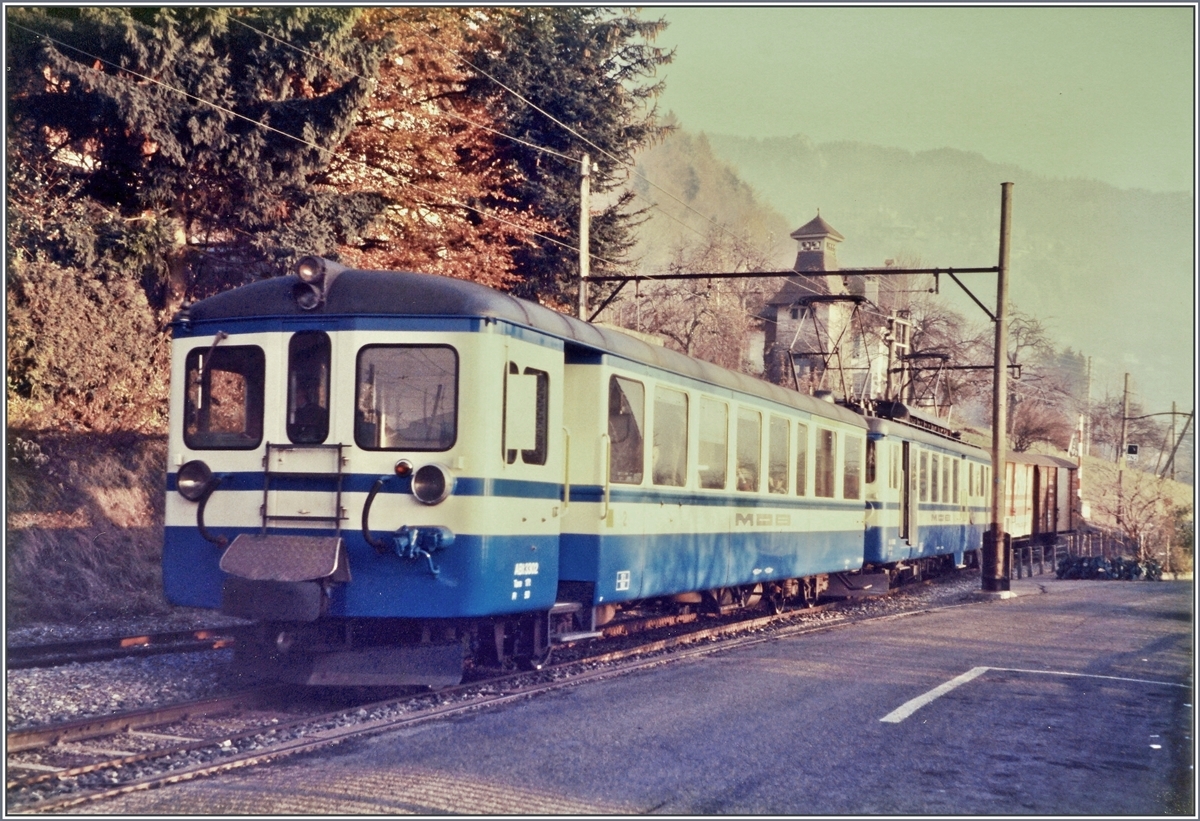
852	468
224	398
826	463
923	473
308	387
714	443
626	419
406	397
778	449
802	459
749	449
935	476
670	437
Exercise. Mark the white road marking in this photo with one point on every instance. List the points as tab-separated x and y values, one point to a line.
912	705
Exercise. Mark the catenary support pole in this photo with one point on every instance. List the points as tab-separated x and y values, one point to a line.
995	571
585	218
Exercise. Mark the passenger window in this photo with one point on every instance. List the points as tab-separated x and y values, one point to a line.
406	397
935	475
852	468
777	452
954	482
802	459
924	474
308	387
714	443
670	437
749	449
224	398
626	417
826	464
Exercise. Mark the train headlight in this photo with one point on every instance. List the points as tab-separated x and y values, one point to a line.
432	483
315	276
311	269
193	480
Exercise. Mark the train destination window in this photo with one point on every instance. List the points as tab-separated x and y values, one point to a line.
749	449
670	437
626	419
935	475
778	449
308	387
714	442
406	397
826	465
923	472
802	459
852	468
224	398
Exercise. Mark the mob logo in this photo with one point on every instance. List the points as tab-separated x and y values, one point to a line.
762	520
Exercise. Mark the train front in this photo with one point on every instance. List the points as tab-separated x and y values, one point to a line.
325	482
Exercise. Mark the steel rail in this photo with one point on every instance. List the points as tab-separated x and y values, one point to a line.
25	656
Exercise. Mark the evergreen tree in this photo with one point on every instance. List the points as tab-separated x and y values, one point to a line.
158	111
590	69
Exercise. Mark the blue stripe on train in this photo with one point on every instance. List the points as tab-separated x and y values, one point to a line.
883	545
477	576
630	567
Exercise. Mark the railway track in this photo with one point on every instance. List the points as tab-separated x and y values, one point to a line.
27	656
59	766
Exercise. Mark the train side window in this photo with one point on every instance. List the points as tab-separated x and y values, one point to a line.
954	483
714	443
802	459
778	449
406	397
749	449
946	479
626	419
224	397
538	454
971	479
923	472
308	387
670	437
935	477
852	468
894	466
826	463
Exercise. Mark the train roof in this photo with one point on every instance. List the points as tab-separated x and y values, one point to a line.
403	293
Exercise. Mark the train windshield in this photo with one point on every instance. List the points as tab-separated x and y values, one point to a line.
406	397
224	398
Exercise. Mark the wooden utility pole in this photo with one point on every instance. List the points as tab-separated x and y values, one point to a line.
995	570
585	218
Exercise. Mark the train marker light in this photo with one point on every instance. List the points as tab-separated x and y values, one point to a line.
193	480
404	468
432	483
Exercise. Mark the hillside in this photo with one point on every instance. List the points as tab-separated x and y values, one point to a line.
1110	270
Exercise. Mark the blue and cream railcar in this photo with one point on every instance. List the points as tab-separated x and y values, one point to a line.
927	493
370	462
689	479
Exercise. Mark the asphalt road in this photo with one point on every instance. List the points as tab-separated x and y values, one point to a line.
1078	701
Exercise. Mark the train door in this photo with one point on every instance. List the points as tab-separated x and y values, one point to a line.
908	492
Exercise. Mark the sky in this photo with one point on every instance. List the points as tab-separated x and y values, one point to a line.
1103	93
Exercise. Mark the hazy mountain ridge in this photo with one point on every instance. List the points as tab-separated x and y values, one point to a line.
1111	270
